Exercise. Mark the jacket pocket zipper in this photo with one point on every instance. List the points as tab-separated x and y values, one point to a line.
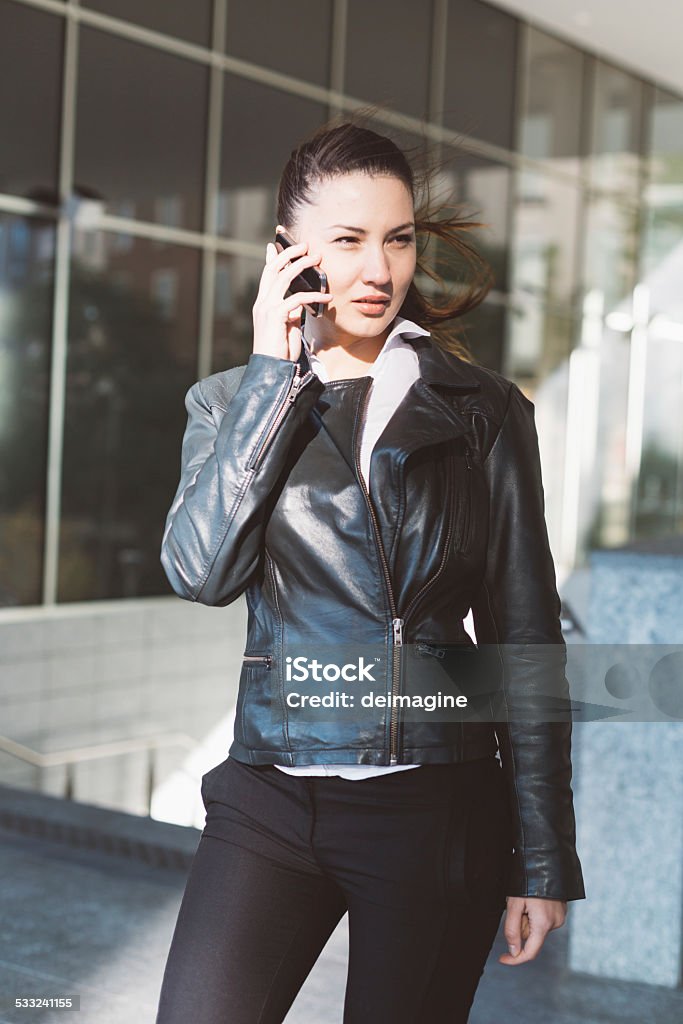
462	543
298	382
397	630
258	659
436	652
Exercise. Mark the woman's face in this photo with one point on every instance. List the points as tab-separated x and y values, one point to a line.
363	228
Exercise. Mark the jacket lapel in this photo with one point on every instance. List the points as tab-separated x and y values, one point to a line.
425	416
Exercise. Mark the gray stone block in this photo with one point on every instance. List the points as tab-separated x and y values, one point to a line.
628	786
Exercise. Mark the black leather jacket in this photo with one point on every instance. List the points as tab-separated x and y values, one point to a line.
271	502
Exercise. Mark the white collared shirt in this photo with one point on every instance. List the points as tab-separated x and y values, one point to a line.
393	372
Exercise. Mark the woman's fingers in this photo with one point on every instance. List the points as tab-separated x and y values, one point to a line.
513	925
528	921
293	269
281	259
283	273
307	298
276	315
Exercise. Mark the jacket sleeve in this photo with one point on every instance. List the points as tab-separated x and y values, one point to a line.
518	609
214	529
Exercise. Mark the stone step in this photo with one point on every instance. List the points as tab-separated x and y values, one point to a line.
41	815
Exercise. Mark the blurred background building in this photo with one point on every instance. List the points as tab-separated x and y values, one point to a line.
141	142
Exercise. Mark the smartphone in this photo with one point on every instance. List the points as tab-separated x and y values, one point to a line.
309	280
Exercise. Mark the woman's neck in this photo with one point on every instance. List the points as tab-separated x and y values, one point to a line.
352	357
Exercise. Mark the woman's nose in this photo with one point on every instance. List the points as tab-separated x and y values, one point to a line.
376	268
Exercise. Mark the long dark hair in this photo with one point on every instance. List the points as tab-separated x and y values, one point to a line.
344	145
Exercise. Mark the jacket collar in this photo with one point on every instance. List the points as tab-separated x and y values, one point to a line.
425	417
443	369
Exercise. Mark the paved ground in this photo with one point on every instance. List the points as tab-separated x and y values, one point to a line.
81	921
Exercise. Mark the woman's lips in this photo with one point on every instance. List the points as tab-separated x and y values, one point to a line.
371	307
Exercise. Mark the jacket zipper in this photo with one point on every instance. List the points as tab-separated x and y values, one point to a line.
298	382
465	532
396	622
258	659
435	652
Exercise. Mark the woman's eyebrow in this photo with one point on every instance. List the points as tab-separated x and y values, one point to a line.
362	231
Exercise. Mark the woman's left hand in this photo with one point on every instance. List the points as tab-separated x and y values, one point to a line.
529	919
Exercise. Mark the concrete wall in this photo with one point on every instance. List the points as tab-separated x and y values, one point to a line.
83	674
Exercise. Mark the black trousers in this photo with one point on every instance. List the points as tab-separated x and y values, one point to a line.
417	858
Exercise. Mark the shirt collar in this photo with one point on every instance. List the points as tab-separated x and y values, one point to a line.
401	326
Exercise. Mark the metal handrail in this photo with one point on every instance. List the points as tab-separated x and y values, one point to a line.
76	755
92	752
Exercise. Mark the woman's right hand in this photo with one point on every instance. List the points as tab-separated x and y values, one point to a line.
277	319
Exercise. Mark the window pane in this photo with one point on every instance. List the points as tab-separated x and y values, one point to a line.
132	355
480	71
549	393
659	495
539	344
129	126
30	87
551	93
617	143
190	21
545	225
663	214
658	508
261	126
26	273
484	188
388	50
607	490
292	37
610	254
237	282
483	331
666	138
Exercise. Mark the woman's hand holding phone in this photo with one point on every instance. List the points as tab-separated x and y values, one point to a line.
277	319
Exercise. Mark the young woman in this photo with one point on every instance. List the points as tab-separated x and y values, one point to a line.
366	487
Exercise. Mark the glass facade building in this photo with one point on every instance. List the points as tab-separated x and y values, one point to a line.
141	146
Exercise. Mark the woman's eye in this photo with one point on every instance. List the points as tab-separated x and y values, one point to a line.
404	239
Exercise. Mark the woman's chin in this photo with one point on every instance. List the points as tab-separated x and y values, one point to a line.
363	324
